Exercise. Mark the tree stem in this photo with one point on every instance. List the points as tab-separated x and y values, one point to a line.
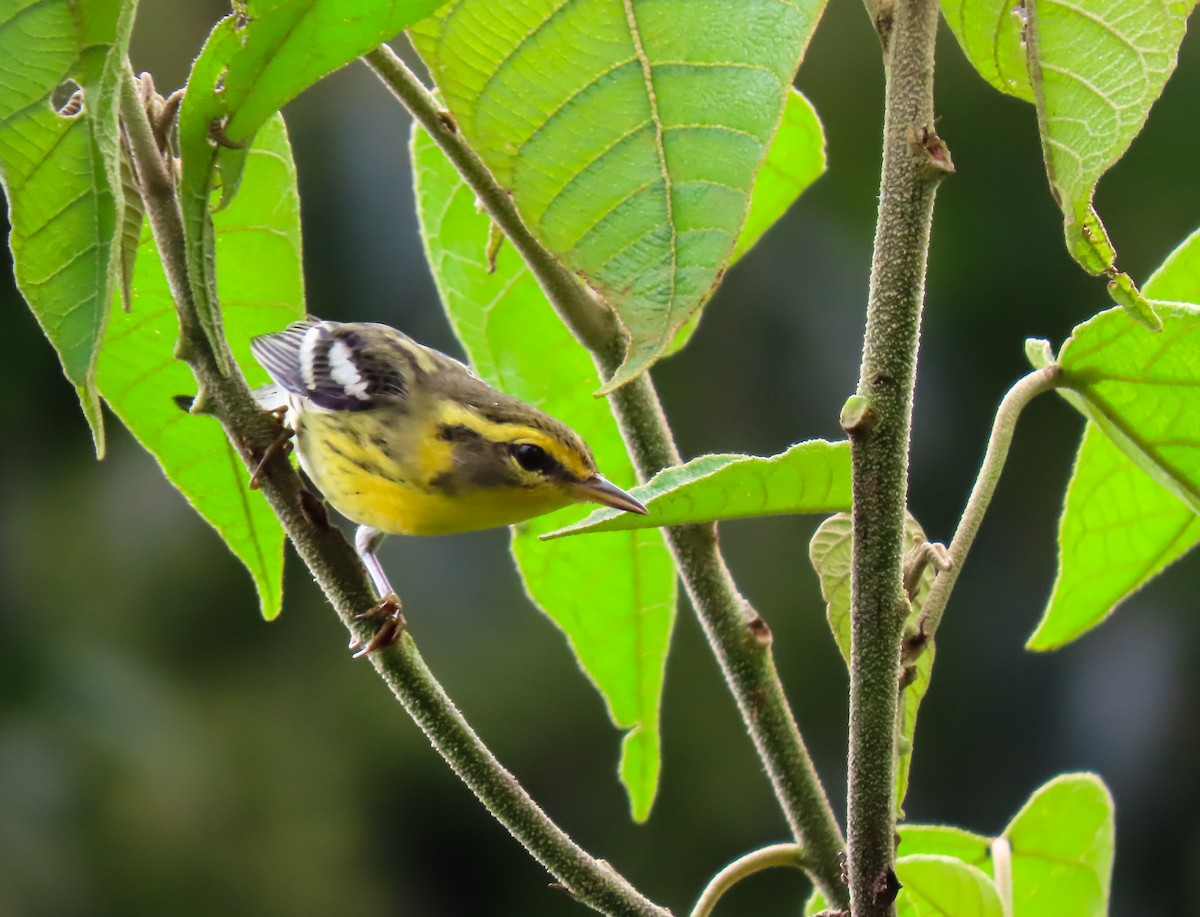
737	634
914	161
1024	391
745	866
341	575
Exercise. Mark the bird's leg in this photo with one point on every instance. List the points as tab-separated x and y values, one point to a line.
281	443
366	540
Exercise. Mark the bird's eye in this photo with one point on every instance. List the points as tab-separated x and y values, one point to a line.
532	458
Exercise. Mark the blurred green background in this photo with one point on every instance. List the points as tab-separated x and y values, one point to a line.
163	750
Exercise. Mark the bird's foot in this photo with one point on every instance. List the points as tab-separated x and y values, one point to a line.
389	609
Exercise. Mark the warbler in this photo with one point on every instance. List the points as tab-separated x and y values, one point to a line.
403	439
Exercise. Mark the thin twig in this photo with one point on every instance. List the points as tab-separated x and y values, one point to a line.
341	576
745	866
1025	390
739	637
879	423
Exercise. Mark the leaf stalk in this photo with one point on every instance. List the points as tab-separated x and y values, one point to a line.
1023	391
745	866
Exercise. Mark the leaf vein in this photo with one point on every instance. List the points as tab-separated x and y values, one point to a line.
588	167
561	109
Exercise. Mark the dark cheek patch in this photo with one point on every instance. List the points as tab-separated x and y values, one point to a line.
457	433
444	483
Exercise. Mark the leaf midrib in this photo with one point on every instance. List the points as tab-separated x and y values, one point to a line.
648	76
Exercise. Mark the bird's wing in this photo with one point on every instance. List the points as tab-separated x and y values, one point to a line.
336	366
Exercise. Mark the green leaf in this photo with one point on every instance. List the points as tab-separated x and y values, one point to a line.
613	595
629	134
990	33
1139	388
941	886
944	840
830	551
60	173
1119	529
1096	67
262	288
1093	69
255	61
1062	849
810	477
267	53
1120	526
287	45
1178	277
1054	858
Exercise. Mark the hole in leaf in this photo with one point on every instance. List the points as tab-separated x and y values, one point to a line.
67	99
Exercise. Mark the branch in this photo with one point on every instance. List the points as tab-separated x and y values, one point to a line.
738	635
743	867
1024	391
878	421
340	574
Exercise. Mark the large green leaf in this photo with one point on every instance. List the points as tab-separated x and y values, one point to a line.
629	133
613	595
262	289
1096	67
830	553
1119	529
255	61
1139	388
1062	849
60	172
810	477
1120	526
1093	69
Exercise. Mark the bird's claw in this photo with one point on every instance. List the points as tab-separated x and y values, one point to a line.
389	609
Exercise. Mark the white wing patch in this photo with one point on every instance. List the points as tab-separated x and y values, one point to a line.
343	371
308	352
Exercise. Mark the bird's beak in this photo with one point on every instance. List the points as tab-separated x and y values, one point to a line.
598	490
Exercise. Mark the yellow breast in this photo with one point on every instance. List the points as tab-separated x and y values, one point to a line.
371	485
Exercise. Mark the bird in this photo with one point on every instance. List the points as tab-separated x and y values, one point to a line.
402	439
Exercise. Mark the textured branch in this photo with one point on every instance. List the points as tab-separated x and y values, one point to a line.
878	421
739	637
341	576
